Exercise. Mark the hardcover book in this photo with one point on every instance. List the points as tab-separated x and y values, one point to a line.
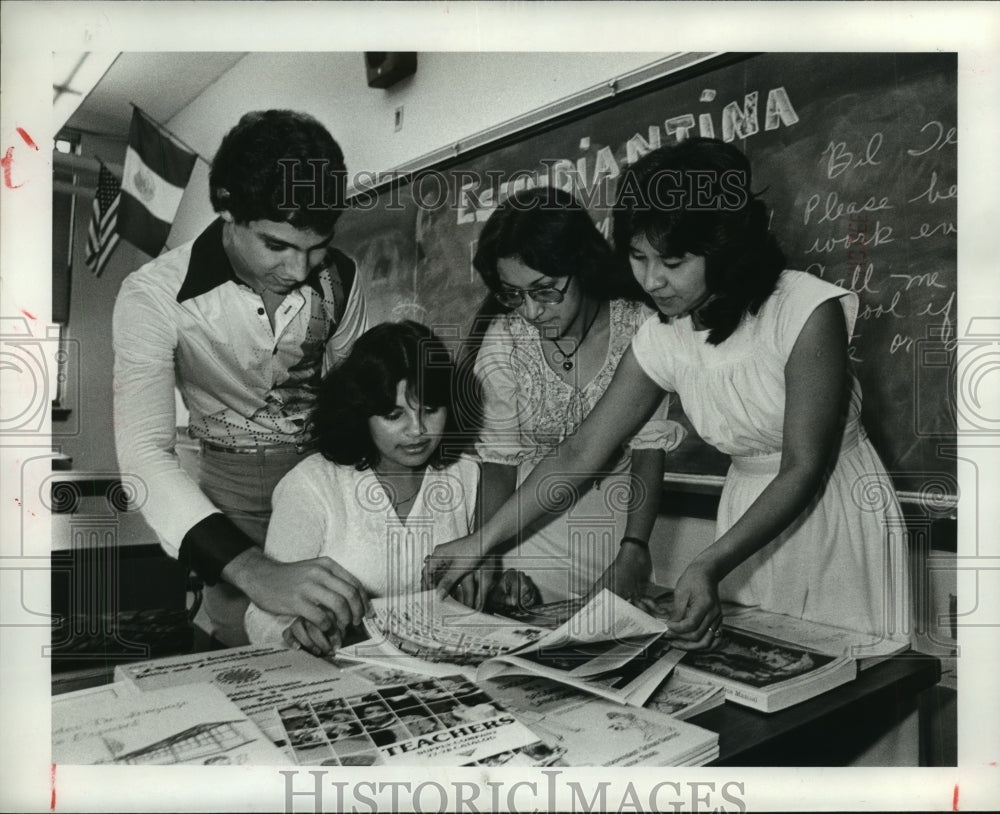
868	650
764	673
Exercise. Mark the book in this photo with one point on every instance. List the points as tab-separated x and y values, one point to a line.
826	638
596	732
603	648
193	725
763	673
865	648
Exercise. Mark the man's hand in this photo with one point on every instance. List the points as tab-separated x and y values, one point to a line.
309	637
319	590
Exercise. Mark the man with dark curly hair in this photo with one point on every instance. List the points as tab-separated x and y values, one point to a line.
243	320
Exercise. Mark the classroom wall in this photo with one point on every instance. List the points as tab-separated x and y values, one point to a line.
87	435
492	88
452	95
675	542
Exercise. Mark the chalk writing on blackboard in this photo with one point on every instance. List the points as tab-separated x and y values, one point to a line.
855	154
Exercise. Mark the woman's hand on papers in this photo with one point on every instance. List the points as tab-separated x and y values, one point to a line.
628	575
513	591
451	562
697	614
467	589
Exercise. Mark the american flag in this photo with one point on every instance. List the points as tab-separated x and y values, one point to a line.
101	236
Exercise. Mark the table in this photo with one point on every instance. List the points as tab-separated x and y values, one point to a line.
829	729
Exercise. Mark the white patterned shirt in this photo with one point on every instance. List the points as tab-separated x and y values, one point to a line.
185	320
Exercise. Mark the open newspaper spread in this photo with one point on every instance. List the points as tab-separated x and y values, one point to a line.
604	648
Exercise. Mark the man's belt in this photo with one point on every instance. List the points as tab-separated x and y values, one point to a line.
260	449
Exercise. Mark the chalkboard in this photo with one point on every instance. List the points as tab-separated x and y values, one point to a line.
856	157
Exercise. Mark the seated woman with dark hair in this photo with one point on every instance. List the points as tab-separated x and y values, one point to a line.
387	485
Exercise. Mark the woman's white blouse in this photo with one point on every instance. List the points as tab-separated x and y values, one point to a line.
323	509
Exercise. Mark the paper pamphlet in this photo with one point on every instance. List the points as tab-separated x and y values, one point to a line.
684	699
257	679
194	724
595	732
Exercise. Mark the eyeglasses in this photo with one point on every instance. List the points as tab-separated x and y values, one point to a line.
546	295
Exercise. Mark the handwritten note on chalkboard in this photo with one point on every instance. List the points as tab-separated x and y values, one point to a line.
856	157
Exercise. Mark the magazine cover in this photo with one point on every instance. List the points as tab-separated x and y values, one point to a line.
764	674
191	725
438	721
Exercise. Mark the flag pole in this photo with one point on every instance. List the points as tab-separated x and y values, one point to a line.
104	164
171	135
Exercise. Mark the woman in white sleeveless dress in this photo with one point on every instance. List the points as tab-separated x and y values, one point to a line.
808	523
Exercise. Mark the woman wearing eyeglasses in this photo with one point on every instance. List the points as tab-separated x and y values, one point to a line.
808	522
545	359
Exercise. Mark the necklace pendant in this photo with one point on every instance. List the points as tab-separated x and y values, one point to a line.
567	365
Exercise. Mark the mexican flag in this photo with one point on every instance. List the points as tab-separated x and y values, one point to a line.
156	171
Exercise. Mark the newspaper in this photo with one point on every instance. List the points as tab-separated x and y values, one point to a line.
603	648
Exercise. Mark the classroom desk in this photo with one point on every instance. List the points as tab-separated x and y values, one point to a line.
827	730
831	728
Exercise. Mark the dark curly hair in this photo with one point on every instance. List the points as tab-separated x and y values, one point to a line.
262	154
695	197
547	230
365	386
